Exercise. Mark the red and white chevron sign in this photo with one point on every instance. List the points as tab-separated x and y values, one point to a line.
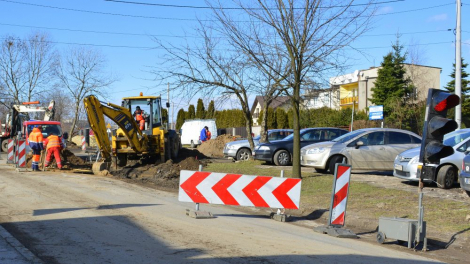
237	189
340	198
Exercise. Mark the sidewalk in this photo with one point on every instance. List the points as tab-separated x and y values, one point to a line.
13	252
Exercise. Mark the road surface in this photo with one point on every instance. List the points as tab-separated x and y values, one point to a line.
73	218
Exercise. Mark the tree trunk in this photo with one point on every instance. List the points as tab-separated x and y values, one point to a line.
296	172
77	109
264	123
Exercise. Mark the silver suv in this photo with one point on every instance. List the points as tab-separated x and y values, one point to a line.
240	149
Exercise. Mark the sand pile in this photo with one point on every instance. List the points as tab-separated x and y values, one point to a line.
215	147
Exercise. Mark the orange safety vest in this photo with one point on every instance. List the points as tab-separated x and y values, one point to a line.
53	141
35	139
138	115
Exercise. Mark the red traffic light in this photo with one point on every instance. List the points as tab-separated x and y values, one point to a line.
444	101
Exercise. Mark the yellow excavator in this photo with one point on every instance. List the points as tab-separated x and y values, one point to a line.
155	142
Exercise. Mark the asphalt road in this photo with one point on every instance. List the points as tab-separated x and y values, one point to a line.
73	218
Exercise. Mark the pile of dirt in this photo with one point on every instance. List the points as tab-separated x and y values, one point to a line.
215	147
69	161
164	175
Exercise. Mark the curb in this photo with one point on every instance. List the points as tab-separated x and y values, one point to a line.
18	247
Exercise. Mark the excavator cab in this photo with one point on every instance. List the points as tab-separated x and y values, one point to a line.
151	111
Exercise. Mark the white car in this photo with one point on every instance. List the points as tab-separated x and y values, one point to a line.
364	149
406	163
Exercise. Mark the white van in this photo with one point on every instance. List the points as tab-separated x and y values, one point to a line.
191	130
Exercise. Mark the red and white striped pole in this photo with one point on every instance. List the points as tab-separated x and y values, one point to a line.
21	153
11	151
340	195
83	143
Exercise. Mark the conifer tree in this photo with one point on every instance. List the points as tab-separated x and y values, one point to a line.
191	114
210	110
180	118
200	110
465	96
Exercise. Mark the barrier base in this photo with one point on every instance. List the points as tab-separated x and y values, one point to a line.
199	214
335	231
23	169
280	217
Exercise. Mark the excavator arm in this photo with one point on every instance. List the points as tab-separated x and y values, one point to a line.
122	117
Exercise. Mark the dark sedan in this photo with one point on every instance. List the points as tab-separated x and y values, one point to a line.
280	152
464	177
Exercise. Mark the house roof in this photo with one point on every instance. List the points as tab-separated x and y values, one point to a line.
279	101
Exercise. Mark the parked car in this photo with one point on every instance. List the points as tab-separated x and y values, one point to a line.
364	149
280	152
464	177
240	149
406	163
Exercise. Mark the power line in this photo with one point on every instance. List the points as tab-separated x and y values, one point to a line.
184	19
181	36
161	48
237	8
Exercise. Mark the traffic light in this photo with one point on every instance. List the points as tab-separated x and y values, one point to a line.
436	125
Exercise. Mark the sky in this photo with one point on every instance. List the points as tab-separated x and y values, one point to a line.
121	32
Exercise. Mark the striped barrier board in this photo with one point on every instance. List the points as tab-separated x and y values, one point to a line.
21	153
340	195
237	189
11	151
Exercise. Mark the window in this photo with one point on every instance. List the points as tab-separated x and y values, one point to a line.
400	138
311	135
464	146
374	138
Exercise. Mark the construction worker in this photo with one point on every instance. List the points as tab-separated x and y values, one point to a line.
139	116
203	135
35	143
208	133
53	147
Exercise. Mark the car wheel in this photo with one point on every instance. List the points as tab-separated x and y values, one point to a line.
321	170
5	145
333	161
468	193
282	158
243	154
446	177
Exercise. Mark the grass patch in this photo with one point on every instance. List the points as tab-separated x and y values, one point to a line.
366	202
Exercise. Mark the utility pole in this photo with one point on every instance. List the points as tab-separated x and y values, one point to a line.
458	67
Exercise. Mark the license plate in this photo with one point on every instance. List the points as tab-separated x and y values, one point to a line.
467	180
398	167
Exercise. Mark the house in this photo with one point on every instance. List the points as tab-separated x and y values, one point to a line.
318	98
356	88
280	101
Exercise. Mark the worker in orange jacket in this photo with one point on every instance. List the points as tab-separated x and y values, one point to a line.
139	117
53	147
208	133
36	144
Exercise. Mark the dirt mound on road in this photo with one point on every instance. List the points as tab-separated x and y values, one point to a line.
215	147
69	161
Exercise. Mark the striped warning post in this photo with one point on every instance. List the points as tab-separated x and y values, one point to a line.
83	143
21	153
340	194
11	151
237	189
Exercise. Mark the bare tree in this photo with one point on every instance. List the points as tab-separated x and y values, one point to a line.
211	69
81	73
305	37
26	66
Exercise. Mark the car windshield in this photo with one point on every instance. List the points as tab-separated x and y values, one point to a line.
455	137
348	136
46	129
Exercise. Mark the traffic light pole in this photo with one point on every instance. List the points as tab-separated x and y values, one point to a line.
458	66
